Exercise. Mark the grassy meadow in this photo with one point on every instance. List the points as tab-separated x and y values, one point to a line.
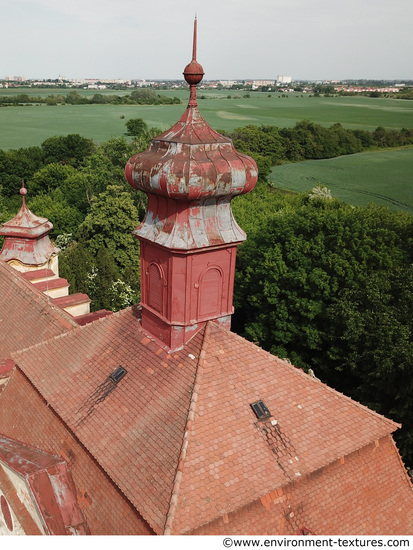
23	126
383	177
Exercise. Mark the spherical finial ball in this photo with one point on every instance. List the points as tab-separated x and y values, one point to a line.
23	191
193	73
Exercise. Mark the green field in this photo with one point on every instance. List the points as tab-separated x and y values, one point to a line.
31	125
383	177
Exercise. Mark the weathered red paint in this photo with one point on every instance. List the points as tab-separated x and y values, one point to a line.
38	274
26	238
6	513
6	367
189	235
192	161
50	483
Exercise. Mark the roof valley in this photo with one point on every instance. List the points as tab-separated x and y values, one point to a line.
173	504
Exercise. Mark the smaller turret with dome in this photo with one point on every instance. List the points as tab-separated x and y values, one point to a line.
27	245
28	249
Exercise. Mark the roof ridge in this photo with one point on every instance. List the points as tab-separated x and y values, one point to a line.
173	503
76	328
300	372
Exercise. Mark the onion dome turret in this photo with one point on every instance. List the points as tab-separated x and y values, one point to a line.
191	164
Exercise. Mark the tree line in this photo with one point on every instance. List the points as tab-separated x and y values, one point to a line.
270	145
319	282
142	96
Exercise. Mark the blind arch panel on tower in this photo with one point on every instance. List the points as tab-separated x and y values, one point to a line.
156	285
210	293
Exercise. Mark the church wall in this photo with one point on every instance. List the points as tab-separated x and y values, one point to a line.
352	495
24	415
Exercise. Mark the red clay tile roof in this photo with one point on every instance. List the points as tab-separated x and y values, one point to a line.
177	433
72	300
232	459
27	316
36	274
133	429
364	493
51	284
93	316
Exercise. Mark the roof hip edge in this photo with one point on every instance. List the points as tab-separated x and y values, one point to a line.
173	503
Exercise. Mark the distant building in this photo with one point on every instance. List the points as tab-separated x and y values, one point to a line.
228	83
140	82
283	79
16	78
98	83
259	83
361	89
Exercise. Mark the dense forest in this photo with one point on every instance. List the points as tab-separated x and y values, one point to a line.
324	284
330	287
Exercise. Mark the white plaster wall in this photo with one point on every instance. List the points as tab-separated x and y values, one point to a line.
52	264
57	292
79	309
25	496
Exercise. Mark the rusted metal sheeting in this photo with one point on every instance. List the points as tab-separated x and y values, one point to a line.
189	225
26	224
28	251
190	174
191	161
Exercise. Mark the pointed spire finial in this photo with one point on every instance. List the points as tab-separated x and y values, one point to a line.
194	42
193	72
23	191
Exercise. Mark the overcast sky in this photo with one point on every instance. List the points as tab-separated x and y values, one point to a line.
237	39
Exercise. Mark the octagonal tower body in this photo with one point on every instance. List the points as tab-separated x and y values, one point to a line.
189	235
